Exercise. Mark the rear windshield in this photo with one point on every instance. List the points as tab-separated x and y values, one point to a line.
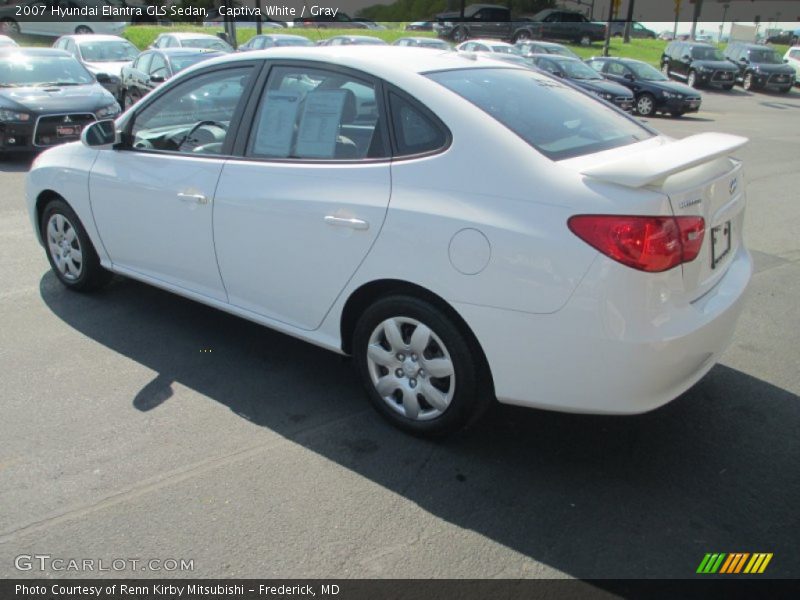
557	120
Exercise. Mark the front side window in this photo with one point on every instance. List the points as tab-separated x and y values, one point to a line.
307	113
143	62
158	68
615	68
193	117
566	123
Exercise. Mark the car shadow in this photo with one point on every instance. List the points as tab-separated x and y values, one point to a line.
16	162
592	496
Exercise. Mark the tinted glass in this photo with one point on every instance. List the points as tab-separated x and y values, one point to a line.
415	131
766	56
108	51
22	69
576	69
315	114
565	123
706	53
180	62
646	72
208	43
194	116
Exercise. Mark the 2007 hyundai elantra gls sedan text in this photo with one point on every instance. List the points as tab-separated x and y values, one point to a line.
466	229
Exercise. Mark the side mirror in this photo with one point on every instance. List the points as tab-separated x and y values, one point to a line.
629	76
744	61
686	58
103	78
100	134
559	73
157	78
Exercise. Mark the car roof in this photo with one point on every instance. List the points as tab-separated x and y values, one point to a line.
355	37
382	61
489	42
280	36
186	35
182	51
92	37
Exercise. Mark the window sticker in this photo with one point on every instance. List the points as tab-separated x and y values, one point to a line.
276	124
319	125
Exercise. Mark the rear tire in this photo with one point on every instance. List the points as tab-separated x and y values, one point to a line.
421	371
69	249
585	40
460	35
727	88
785	90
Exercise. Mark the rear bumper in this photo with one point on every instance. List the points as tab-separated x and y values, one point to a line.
623	344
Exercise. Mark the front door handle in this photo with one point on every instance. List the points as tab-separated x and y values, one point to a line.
343	222
199	198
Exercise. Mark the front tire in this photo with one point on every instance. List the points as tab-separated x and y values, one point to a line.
421	371
69	249
646	105
460	35
585	40
785	90
748	83
727	88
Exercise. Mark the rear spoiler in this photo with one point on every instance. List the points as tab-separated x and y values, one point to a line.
657	164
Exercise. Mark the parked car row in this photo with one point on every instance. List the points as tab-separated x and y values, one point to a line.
754	66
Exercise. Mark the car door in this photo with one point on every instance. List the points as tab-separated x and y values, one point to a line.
299	210
152	199
137	79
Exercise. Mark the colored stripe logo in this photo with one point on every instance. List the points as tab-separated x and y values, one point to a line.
734	563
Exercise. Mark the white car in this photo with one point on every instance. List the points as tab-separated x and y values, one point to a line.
407	207
12	23
7	42
101	55
490	46
187	39
792	58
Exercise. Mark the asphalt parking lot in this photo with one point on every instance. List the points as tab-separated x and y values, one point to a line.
139	425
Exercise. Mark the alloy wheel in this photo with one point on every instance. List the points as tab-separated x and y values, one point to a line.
748	81
64	247
692	80
645	105
411	368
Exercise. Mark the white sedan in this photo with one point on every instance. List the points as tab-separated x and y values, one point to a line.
408	208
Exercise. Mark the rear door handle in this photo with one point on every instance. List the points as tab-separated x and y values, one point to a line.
343	222
199	198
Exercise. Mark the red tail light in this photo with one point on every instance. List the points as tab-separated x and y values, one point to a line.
651	244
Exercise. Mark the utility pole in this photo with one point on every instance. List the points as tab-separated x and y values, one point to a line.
677	15
607	43
629	22
698	7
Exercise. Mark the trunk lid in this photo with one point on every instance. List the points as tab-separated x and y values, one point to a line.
700	178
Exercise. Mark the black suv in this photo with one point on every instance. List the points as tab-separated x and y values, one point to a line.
698	64
760	67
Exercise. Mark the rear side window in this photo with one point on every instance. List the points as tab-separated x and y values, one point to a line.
415	131
565	122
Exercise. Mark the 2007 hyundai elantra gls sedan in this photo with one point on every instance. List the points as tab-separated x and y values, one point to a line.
466	229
